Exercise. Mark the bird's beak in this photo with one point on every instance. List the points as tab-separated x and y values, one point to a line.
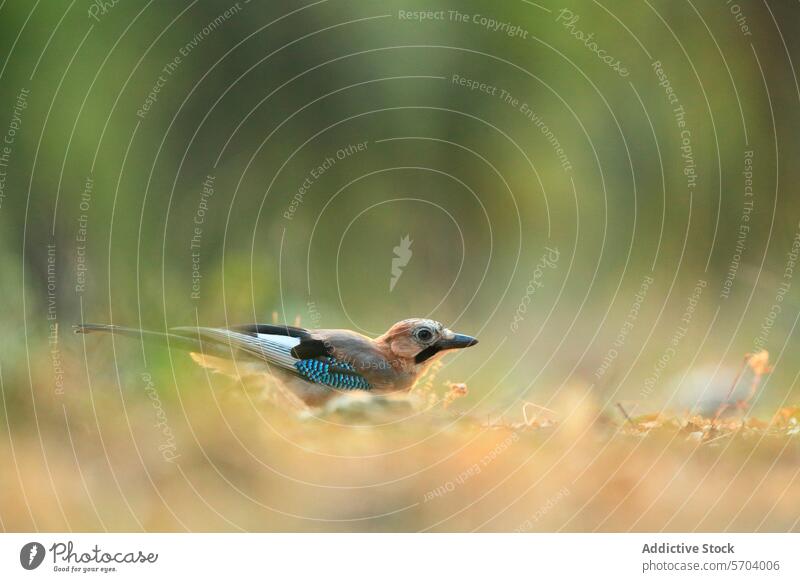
456	341
448	341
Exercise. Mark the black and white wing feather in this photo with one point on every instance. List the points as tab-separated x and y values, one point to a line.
291	349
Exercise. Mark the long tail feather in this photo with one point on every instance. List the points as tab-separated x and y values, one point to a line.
173	339
206	341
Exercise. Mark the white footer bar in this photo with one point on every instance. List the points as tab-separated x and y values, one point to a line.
407	557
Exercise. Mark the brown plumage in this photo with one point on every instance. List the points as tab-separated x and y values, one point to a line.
314	365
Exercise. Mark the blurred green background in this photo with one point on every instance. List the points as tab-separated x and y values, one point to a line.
121	112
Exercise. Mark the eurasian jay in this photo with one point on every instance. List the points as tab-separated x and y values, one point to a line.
315	365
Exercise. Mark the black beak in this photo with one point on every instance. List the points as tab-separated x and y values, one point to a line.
457	341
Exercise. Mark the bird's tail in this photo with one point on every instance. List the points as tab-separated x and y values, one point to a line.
204	341
226	351
176	340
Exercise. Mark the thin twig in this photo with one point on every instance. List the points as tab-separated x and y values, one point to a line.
539	406
625	414
724	405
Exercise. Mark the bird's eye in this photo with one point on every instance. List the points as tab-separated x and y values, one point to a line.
424	334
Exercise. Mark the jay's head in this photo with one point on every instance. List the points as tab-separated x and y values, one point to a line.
422	339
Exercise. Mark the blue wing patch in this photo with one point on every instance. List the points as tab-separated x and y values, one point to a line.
331	372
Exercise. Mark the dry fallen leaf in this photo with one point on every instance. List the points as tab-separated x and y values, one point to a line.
786	415
759	363
457	390
539	411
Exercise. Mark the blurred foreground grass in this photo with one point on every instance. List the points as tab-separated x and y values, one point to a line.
214	455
